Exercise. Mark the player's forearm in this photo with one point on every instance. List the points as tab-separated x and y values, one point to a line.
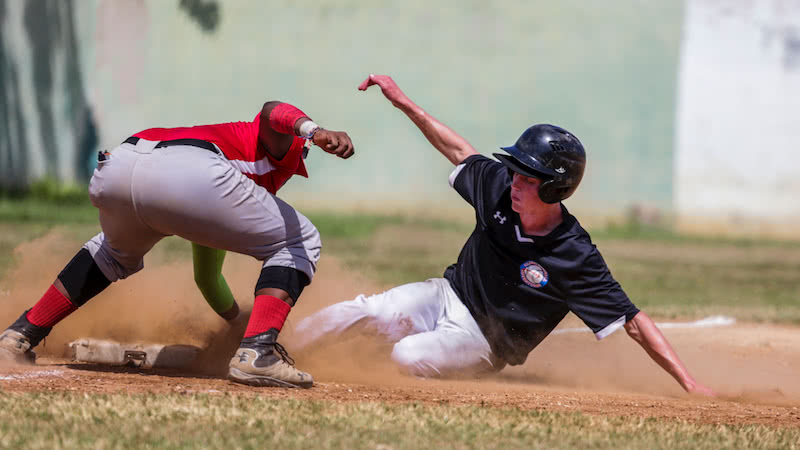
644	331
449	143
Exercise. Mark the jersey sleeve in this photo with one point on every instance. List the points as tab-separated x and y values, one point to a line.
598	299
480	181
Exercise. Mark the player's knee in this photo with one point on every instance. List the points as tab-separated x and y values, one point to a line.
312	234
312	244
412	361
371	309
287	279
112	264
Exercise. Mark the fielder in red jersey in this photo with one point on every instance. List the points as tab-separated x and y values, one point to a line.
214	185
239	142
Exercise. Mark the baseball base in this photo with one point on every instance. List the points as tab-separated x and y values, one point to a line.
146	356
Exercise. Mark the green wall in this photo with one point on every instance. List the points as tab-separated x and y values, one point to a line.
604	70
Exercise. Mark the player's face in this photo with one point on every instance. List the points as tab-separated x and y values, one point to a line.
525	193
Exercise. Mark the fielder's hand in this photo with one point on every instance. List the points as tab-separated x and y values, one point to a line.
387	85
335	142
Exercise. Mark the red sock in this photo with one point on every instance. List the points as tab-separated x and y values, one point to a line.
50	309
268	312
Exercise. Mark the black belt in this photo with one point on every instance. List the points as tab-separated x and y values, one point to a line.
192	142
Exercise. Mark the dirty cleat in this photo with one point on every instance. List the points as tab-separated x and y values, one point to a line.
17	342
261	361
15	348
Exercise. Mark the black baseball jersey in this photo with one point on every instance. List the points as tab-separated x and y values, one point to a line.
519	287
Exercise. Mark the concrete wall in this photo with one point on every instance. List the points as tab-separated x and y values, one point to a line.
604	70
46	126
738	135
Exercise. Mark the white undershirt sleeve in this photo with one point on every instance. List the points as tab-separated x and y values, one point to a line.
454	174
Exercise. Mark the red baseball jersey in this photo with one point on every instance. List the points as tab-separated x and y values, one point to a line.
239	142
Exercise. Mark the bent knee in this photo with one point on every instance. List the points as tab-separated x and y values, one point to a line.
413	361
114	265
312	241
311	233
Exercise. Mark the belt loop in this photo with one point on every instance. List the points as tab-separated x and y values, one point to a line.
145	147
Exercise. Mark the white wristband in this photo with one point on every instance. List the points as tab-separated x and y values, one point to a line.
307	129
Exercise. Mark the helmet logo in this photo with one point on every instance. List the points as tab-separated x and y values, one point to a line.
533	274
561	170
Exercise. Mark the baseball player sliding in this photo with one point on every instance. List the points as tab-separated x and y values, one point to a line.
214	185
526	265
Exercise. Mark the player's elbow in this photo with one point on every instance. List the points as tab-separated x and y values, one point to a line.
633	329
268	107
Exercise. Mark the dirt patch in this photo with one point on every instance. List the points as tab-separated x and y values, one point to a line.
753	367
52	375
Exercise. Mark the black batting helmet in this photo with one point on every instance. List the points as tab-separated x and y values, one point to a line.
550	153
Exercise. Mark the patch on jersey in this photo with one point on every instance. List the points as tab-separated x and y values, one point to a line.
533	274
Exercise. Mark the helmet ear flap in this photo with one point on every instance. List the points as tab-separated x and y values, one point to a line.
549	192
554	191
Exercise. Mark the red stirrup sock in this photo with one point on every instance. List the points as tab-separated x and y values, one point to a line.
268	312
283	117
50	309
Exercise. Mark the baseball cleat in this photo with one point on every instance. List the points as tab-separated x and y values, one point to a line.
16	348
262	361
17	342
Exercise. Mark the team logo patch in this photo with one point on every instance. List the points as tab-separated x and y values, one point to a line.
533	274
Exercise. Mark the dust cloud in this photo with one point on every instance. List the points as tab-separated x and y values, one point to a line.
160	304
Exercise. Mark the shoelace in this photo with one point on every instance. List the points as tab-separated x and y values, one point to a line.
284	354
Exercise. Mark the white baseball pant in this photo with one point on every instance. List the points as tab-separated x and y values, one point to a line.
146	193
434	334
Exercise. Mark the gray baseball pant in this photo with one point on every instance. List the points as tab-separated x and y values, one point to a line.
145	193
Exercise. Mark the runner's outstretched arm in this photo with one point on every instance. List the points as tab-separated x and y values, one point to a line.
454	147
643	330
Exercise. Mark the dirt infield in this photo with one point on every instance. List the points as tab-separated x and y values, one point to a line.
59	376
753	367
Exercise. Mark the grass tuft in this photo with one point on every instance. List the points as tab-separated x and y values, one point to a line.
67	420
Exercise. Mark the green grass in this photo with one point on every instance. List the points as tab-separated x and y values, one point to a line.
46	212
362	225
632	231
392	249
667	274
66	420
47	202
737	283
